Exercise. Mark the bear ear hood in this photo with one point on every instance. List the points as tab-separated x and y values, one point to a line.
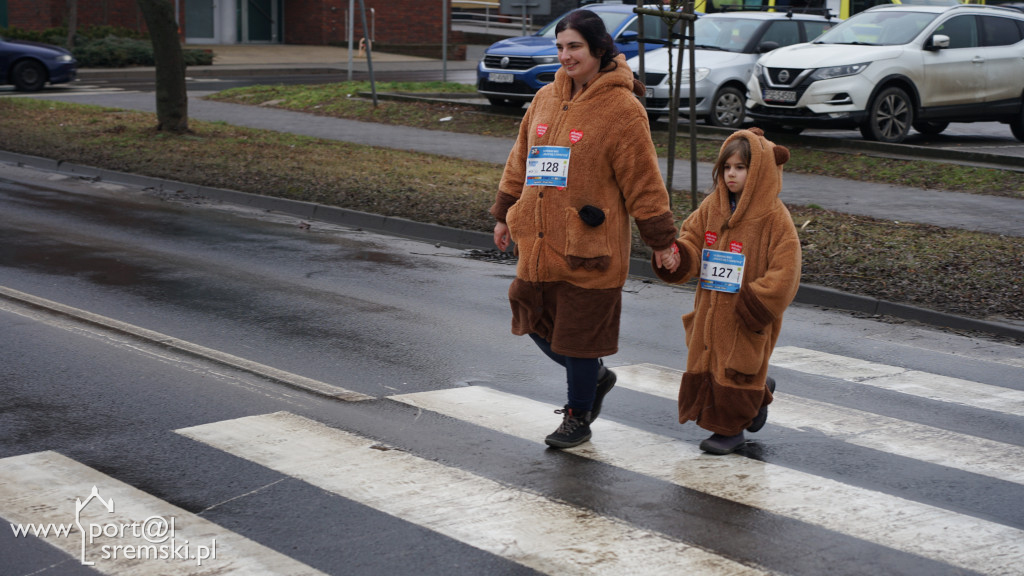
764	174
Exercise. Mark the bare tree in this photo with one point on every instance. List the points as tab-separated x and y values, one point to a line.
171	95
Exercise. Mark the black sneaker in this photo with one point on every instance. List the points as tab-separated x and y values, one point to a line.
605	382
722	445
575	430
762	414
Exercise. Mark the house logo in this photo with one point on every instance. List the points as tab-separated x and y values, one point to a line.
109	537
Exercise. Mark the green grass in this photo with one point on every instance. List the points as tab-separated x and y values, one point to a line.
968	273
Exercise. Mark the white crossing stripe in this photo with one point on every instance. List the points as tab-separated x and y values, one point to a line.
908	439
545	535
902	380
963	541
43	489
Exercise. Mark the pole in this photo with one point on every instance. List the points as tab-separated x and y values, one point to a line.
369	54
445	18
350	24
692	33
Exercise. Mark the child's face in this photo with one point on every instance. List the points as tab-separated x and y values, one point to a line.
734	172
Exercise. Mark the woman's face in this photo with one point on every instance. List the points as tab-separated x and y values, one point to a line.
575	57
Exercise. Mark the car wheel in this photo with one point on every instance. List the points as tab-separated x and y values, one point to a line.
727	109
1017	125
504	102
28	76
929	127
890	117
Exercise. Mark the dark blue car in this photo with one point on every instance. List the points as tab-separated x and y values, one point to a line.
30	65
513	70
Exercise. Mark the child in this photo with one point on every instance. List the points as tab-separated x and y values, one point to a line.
743	246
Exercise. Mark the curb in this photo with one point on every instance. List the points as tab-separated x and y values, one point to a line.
465	239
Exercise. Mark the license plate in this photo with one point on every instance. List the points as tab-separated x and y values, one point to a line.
649	92
779	96
500	78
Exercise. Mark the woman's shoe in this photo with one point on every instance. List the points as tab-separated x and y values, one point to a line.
575	429
605	382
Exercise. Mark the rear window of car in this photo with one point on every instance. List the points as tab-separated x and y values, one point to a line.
1001	31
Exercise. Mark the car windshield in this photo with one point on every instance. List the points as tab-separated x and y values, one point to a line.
881	28
612	21
729	34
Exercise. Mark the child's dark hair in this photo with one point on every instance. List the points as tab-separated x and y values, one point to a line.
593	30
735	146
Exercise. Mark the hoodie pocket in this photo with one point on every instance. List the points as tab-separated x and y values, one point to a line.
748	350
586	246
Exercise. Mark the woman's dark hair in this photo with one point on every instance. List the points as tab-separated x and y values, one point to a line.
592	28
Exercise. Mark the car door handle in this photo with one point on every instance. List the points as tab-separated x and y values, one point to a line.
978	60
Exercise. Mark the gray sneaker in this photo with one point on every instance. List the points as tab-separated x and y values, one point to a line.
762	414
575	430
722	445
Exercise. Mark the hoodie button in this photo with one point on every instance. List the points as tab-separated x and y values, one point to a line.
540	234
566	107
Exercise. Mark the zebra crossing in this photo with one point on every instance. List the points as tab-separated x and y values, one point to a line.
552	536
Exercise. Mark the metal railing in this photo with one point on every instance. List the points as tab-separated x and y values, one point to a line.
484	13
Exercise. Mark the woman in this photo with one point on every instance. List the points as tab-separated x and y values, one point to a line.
582	165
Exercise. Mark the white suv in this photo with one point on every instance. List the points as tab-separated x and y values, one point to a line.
891	68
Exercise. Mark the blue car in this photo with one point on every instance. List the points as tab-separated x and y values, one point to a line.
513	70
30	65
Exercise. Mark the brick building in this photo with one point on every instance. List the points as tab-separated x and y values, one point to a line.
412	26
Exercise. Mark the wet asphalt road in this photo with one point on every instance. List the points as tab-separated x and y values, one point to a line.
383	316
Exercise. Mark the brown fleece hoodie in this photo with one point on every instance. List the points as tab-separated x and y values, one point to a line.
569	278
730	336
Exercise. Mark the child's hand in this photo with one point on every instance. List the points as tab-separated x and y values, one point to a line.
668	258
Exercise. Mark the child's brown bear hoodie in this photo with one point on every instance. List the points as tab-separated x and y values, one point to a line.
730	336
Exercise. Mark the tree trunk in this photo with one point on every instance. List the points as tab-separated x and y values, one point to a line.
171	95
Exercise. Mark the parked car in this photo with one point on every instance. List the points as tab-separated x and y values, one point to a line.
30	65
728	45
513	70
891	68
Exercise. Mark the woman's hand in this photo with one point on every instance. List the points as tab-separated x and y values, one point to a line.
668	258
501	238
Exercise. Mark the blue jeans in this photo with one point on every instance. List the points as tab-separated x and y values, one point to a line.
580	374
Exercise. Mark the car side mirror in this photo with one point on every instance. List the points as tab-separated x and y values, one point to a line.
627	37
937	42
765	47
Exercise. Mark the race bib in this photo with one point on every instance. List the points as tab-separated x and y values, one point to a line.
721	271
547	166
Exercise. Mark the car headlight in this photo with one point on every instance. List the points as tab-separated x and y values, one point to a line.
65	58
545	59
758	71
838	71
702	73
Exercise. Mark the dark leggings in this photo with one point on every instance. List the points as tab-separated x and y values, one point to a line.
580	374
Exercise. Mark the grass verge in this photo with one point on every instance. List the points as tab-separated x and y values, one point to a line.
967	273
341	100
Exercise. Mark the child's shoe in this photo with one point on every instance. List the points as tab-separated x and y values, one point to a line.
721	445
605	382
762	414
575	429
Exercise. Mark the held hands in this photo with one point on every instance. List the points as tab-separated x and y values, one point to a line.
501	237
668	258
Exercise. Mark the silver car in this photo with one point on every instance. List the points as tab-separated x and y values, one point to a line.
727	46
